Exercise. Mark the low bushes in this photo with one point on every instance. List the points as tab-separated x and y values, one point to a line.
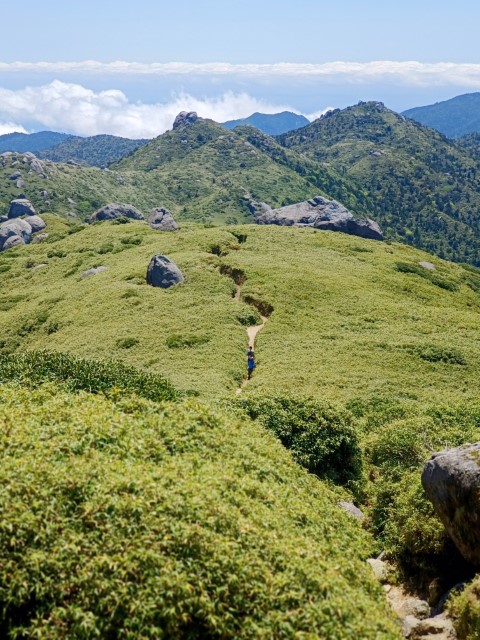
322	438
140	520
36	367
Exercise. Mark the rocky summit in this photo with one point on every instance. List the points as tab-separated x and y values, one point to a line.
319	213
185	118
114	211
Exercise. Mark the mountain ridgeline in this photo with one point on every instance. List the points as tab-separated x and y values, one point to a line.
420	187
454	118
271	123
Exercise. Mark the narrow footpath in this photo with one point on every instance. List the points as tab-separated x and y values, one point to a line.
252	334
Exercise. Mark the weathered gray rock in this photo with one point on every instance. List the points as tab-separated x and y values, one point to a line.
20	183
3	219
39	238
161	219
379	568
14	229
21	207
15	176
116	210
163	272
93	272
318	213
427	265
351	509
36	223
437	628
451	480
185	118
13	241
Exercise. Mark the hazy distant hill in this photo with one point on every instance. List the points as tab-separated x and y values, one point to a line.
96	151
271	123
454	118
425	190
34	142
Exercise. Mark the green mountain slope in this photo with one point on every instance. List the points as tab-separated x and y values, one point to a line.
471	144
423	189
351	318
34	142
271	123
454	118
96	151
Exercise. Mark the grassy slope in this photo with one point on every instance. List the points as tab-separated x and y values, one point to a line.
97	151
424	188
138	520
346	324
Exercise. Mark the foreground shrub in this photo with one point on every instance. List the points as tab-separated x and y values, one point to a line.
36	367
322	438
140	520
401	516
465	610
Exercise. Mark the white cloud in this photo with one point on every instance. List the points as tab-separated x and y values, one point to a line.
412	73
317	114
11	127
73	108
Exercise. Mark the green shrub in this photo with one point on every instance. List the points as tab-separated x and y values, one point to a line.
106	248
97	376
439	354
407	267
5	267
178	341
56	253
127	343
322	438
139	520
121	220
32	323
131	241
464	608
249	317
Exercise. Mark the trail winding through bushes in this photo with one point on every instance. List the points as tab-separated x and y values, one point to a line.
251	332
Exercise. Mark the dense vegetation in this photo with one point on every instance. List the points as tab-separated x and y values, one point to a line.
422	189
96	151
129	519
454	118
34	142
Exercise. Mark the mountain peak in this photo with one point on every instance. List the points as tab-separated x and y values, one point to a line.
185	118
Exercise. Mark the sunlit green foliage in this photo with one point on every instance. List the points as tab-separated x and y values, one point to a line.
140	520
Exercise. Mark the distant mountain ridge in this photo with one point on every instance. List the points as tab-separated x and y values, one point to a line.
272	123
94	151
34	142
454	118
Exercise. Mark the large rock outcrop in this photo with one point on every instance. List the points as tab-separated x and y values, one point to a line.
451	480
115	210
163	272
14	233
37	223
21	207
185	118
161	219
318	213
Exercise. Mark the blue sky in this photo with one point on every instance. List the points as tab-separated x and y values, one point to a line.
403	53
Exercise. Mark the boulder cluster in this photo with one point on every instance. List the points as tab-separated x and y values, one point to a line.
318	213
159	219
18	227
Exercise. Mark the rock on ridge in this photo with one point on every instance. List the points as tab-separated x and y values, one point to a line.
14	233
318	213
163	272
161	219
185	118
451	480
113	211
21	207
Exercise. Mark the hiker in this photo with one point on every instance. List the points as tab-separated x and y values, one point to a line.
250	362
